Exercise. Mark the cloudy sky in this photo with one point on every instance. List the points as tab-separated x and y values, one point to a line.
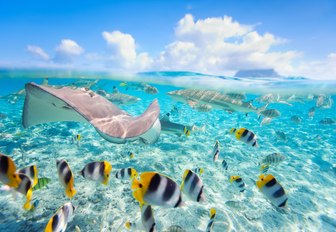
296	38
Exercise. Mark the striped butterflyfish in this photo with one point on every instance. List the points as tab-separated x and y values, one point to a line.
225	165
156	189
193	186
270	187
97	171
211	220
31	172
246	136
8	175
147	218
198	170
59	221
238	183
66	177
26	188
215	151
126	174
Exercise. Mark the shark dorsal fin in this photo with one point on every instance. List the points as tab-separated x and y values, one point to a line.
165	117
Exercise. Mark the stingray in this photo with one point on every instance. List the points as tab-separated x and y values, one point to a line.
45	104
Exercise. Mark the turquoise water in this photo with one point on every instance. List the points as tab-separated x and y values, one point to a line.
308	173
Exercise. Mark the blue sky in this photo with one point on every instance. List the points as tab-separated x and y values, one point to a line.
301	35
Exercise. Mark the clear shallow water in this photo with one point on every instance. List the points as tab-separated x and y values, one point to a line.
308	174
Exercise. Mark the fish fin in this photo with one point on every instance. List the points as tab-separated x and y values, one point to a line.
262	108
201	171
29	196
49	226
36	176
105	181
70	192
165	118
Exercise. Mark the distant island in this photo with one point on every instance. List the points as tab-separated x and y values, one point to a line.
257	73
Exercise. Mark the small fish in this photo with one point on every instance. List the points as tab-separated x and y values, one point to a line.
238	182
193	186
147	218
266	121
157	189
327	121
26	188
8	175
269	186
225	165
186	131
41	183
211	220
59	221
97	171
215	151
269	113
296	119
245	136
311	112
175	228
264	168
199	170
66	177
126	174
31	172
273	158
76	139
281	135
131	155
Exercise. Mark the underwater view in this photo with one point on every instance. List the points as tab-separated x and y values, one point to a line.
167	155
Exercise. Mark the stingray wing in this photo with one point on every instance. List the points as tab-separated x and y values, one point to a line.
46	104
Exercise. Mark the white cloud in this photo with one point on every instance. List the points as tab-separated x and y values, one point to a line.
123	52
67	50
322	69
222	45
38	52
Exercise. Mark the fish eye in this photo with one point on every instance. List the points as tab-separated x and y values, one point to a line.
140	185
108	175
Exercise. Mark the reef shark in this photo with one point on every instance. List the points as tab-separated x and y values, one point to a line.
119	98
214	99
46	104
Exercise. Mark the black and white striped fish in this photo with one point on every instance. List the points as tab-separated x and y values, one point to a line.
270	187
215	151
97	171
26	188
212	220
147	218
66	177
31	172
126	174
225	165
59	221
238	182
193	186
273	158
156	189
245	136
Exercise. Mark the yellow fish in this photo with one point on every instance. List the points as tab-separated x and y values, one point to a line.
8	175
